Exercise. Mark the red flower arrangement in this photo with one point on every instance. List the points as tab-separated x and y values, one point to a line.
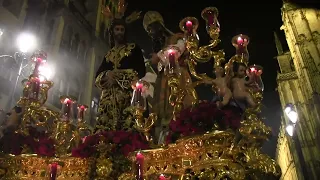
125	141
37	142
201	119
41	144
189	122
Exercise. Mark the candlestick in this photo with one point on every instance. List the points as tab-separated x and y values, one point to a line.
38	57
256	70
172	60
67	103
35	83
189	26
139	92
138	100
240	42
210	15
139	163
162	177
171	56
53	171
81	111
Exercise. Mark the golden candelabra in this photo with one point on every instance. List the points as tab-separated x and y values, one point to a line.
217	154
194	54
138	102
59	127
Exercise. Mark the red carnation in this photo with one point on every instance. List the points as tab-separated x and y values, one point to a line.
126	149
45	147
83	151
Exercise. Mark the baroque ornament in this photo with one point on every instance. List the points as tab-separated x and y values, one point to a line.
206	141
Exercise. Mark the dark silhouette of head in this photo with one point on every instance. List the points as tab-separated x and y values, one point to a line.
154	25
117	32
239	69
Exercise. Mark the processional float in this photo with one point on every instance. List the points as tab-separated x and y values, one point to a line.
53	145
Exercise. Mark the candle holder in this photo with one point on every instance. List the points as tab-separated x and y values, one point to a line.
202	54
170	60
163	177
139	166
210	15
39	57
138	104
54	168
255	71
67	104
83	127
240	42
66	134
189	25
34	96
169	56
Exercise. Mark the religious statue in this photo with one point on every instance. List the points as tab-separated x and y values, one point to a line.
162	37
120	68
241	86
221	84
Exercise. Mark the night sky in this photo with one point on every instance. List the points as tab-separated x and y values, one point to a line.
257	19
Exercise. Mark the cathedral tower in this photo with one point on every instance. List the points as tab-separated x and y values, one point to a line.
299	84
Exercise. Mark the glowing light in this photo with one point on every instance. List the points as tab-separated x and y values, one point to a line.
291	113
42	78
46	71
139	85
287	109
293	116
26	42
290	130
240	40
67	101
170	51
189	24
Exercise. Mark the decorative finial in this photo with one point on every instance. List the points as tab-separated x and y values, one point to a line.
115	9
278	43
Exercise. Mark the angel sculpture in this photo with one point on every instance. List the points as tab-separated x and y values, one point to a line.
221	84
241	86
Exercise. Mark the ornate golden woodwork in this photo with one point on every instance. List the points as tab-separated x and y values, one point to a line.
31	166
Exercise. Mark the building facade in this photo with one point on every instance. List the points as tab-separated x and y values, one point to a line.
299	84
71	32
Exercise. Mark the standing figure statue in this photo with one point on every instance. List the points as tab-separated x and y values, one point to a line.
241	86
162	37
122	66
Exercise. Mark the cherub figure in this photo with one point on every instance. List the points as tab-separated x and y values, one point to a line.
221	84
240	86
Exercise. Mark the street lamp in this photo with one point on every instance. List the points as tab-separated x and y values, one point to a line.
291	113
26	42
290	128
1	32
